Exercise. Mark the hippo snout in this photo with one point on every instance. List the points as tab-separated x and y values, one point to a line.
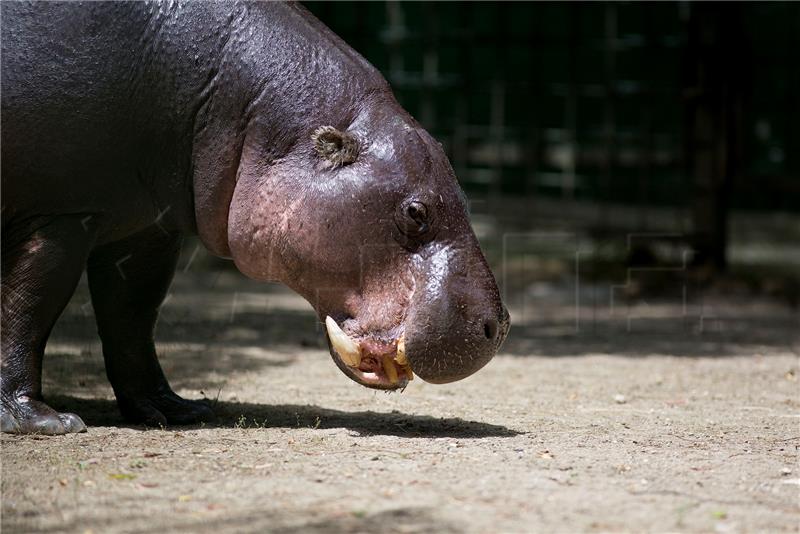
442	351
457	321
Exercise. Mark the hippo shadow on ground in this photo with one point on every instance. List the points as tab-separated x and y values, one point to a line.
351	519
416	519
101	412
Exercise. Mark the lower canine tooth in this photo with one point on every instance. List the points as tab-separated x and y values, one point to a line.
347	349
401	351
390	369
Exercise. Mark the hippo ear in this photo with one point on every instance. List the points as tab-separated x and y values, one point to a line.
335	147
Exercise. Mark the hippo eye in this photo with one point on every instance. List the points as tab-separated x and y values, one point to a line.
414	220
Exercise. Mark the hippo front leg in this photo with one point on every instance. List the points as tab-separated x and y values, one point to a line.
128	281
42	262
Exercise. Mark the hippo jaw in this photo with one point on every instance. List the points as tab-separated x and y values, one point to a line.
452	325
371	363
440	354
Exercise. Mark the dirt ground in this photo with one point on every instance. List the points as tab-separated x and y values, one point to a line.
651	416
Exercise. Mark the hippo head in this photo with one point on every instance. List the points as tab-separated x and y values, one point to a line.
365	220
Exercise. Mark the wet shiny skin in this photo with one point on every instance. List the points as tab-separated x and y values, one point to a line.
158	121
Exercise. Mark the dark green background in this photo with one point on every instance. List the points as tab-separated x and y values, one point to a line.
510	86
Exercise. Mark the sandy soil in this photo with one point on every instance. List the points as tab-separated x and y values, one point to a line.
647	417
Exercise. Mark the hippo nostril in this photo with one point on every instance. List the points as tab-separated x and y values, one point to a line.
490	328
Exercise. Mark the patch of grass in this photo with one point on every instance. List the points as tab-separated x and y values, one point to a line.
254	423
241	422
317	422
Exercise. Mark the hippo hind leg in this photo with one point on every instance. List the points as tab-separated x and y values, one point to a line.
43	259
128	281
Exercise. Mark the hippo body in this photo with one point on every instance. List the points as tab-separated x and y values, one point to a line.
128	125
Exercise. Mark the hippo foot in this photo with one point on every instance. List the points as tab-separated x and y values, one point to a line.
28	416
164	408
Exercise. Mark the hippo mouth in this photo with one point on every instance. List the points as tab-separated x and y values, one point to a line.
372	363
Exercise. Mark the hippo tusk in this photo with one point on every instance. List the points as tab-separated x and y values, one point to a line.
402	359
401	351
347	349
390	369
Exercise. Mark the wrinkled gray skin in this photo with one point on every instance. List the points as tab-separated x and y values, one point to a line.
129	125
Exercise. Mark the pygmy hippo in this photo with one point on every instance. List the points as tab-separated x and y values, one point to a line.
128	125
